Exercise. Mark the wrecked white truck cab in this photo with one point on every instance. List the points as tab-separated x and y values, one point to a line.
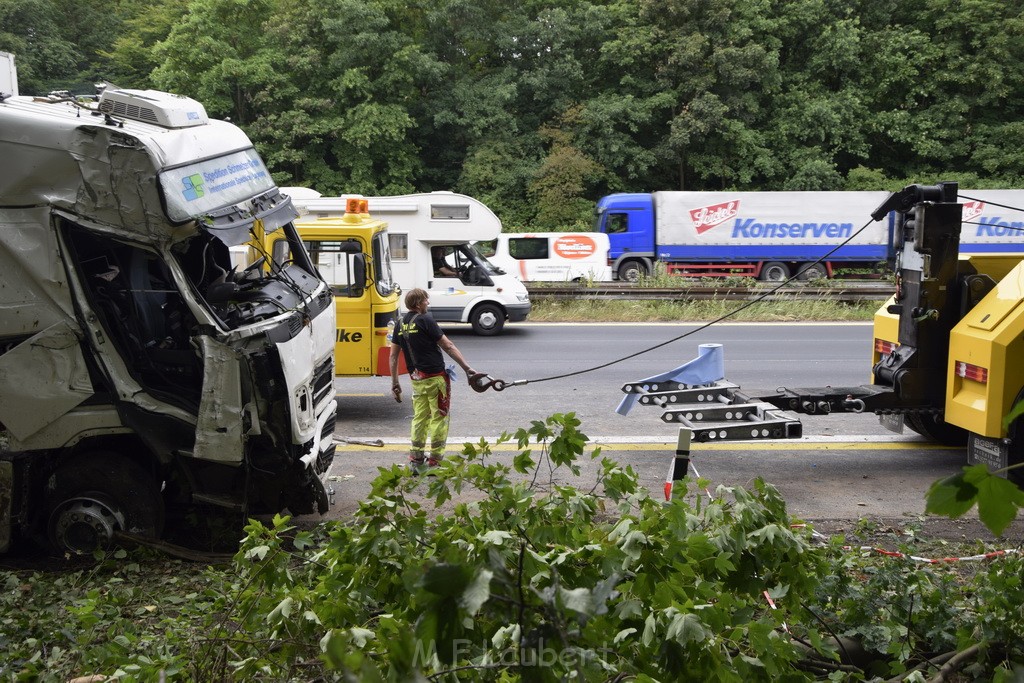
139	372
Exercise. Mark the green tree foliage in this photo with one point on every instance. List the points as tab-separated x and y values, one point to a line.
382	97
31	30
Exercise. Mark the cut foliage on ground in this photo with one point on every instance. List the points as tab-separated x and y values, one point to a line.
543	577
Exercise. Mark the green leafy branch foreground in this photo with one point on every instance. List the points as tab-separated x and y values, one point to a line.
538	576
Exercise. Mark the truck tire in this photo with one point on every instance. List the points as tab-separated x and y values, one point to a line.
97	493
630	271
487	320
774	271
933	427
812	271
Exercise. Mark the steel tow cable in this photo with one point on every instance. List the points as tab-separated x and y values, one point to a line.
482	382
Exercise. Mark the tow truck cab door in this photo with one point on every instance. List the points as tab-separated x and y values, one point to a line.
342	262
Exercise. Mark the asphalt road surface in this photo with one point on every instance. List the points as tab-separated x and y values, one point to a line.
844	467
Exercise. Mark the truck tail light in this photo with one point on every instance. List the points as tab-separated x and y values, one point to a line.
885	347
975	372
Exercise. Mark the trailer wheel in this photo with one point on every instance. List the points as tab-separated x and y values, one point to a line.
774	271
96	494
812	271
487	320
631	271
933	427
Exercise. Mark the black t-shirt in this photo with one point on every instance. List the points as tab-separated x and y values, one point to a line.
418	335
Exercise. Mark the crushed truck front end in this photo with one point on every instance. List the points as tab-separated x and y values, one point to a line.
140	373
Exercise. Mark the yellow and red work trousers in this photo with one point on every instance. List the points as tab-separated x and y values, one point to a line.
430	401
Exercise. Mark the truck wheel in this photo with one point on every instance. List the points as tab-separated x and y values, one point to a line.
812	271
96	494
487	320
630	271
774	271
933	427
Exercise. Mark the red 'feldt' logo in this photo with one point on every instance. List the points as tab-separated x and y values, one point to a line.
707	217
972	210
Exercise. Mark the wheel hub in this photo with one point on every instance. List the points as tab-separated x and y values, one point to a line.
488	319
84	524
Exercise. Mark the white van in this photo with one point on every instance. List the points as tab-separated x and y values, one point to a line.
550	256
431	238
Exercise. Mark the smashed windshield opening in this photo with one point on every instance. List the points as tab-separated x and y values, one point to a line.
242	296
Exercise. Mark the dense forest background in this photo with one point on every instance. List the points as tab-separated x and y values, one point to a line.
539	107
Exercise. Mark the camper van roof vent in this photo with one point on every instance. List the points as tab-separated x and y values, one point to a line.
153	106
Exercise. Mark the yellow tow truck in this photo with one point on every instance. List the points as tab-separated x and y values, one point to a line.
948	357
352	254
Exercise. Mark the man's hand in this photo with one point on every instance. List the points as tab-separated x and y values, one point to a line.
396	391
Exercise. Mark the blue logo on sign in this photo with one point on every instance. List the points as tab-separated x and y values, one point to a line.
193	186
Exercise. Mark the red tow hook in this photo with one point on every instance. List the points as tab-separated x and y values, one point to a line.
481	382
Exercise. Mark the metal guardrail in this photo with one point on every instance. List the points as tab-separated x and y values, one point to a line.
608	291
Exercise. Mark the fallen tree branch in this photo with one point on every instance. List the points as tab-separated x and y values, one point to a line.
955	662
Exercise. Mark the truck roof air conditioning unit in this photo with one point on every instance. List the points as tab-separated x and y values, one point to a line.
153	106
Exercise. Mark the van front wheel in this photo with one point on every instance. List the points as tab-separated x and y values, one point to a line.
487	320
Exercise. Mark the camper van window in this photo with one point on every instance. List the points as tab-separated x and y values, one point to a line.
444	263
528	247
399	246
449	212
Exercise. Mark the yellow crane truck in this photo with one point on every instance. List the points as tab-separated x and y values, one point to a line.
948	358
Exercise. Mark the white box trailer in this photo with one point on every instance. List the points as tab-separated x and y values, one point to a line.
431	237
551	256
8	75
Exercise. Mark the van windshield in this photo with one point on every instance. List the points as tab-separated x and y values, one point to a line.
474	254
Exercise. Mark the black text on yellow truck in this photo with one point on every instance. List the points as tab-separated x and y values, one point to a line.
351	252
141	374
948	351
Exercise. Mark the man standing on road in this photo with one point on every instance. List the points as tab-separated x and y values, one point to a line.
421	340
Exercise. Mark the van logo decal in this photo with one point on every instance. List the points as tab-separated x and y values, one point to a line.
193	186
575	246
972	210
707	217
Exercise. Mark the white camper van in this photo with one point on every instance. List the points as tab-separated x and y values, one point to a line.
550	256
431	237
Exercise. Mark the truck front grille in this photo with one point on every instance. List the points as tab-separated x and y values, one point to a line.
323	381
